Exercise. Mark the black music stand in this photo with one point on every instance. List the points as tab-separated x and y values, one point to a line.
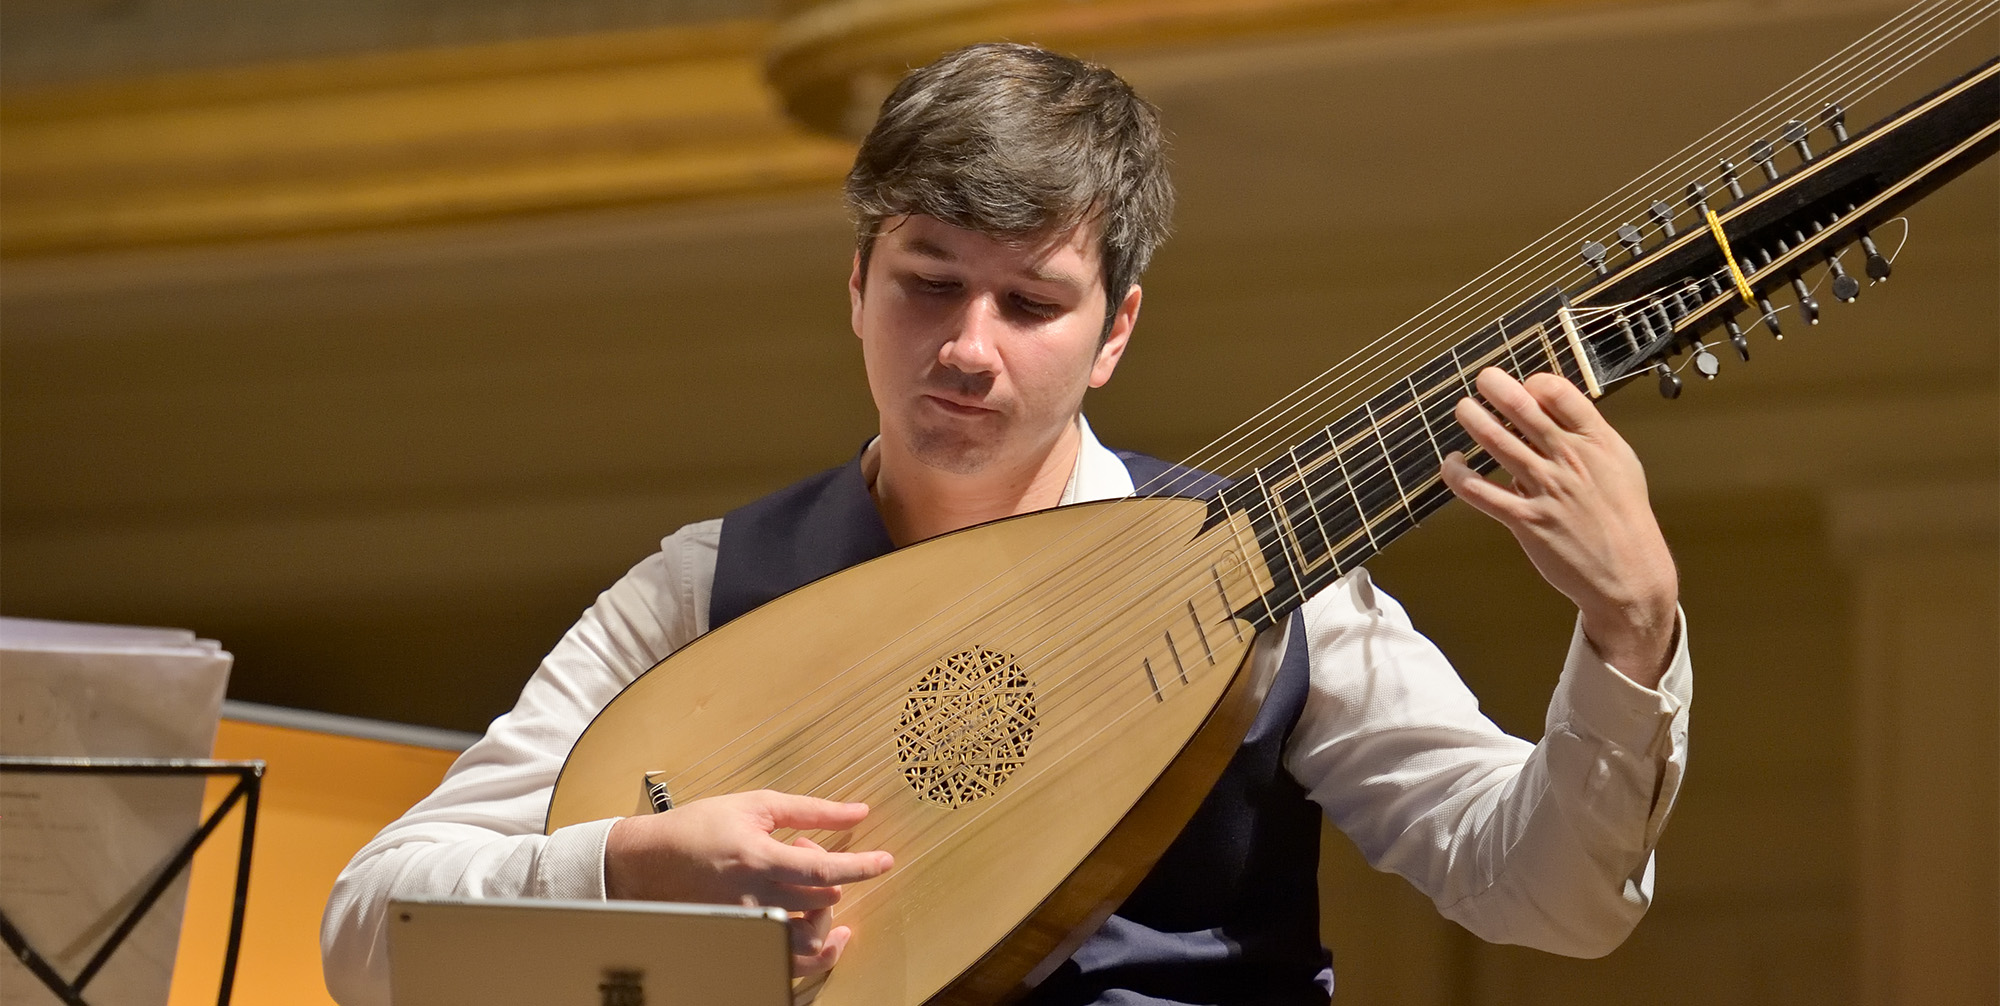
249	783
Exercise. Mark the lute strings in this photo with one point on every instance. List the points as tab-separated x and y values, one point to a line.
1511	344
1601	201
1432	328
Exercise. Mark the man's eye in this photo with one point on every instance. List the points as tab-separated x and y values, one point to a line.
1038	308
925	284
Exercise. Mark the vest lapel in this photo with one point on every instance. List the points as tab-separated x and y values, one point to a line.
792	537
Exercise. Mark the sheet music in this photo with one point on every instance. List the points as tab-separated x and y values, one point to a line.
76	851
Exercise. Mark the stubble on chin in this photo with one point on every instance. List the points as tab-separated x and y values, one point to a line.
956	450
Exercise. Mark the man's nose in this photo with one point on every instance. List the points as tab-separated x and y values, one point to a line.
972	349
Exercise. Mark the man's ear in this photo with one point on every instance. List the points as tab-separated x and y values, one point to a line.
854	295
1113	347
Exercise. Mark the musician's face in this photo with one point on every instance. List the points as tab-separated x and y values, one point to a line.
979	351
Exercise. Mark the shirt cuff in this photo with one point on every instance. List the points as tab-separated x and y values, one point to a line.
1597	700
571	865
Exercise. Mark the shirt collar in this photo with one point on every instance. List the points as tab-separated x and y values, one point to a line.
1098	474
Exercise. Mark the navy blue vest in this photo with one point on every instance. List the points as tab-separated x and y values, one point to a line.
1231	913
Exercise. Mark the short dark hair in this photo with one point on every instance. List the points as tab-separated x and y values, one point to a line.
1017	142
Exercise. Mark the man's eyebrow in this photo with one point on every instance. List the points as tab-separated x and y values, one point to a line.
926	248
929	249
1056	276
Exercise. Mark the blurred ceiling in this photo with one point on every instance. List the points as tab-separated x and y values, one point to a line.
369	455
54	42
154	123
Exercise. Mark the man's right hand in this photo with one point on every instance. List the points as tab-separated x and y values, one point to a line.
720	851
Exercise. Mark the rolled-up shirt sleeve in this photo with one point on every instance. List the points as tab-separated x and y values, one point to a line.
1547	845
480	833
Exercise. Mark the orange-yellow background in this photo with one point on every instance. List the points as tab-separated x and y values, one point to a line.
323	796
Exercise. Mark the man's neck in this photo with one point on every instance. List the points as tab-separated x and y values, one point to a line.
918	502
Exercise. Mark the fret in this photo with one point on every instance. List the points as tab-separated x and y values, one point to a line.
1251	500
1388	458
1312	520
1507	343
1302	490
1417	403
1333	447
1488	347
1459	367
1432	498
1326	505
1378	485
1549	347
1438	397
1276	513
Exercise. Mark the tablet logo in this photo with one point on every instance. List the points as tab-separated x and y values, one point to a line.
623	988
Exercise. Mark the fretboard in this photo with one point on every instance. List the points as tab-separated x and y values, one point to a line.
1355	485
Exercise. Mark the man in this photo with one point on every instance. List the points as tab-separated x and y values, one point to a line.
1007	201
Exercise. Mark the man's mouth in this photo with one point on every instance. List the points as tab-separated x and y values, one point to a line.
957	406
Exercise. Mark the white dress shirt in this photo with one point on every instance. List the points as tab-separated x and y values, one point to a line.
1548	845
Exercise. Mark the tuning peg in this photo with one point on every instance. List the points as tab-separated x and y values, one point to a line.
1706	364
1807	305
1666	320
1878	267
1698	200
1633	241
1688	300
1770	315
1729	178
1670	382
1795	134
1835	118
1766	157
1845	288
1593	254
1770	318
1646	328
1625	329
1664	216
1736	337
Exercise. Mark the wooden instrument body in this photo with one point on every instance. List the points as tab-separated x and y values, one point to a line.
1117	621
1096	648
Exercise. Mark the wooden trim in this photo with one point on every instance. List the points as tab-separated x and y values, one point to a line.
835	60
388	139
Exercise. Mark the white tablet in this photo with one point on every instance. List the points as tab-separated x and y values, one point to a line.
504	952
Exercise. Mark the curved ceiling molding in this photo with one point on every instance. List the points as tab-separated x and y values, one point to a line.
683	111
402	137
835	60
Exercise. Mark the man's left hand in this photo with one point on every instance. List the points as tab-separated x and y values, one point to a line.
1577	504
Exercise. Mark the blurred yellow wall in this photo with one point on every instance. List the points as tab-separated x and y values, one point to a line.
324	796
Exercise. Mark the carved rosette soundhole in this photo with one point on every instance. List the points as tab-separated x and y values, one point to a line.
966	727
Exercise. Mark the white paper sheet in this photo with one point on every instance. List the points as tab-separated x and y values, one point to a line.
76	851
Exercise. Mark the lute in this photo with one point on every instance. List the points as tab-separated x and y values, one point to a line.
1034	707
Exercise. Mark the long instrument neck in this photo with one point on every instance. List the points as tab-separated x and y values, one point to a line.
1336	498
